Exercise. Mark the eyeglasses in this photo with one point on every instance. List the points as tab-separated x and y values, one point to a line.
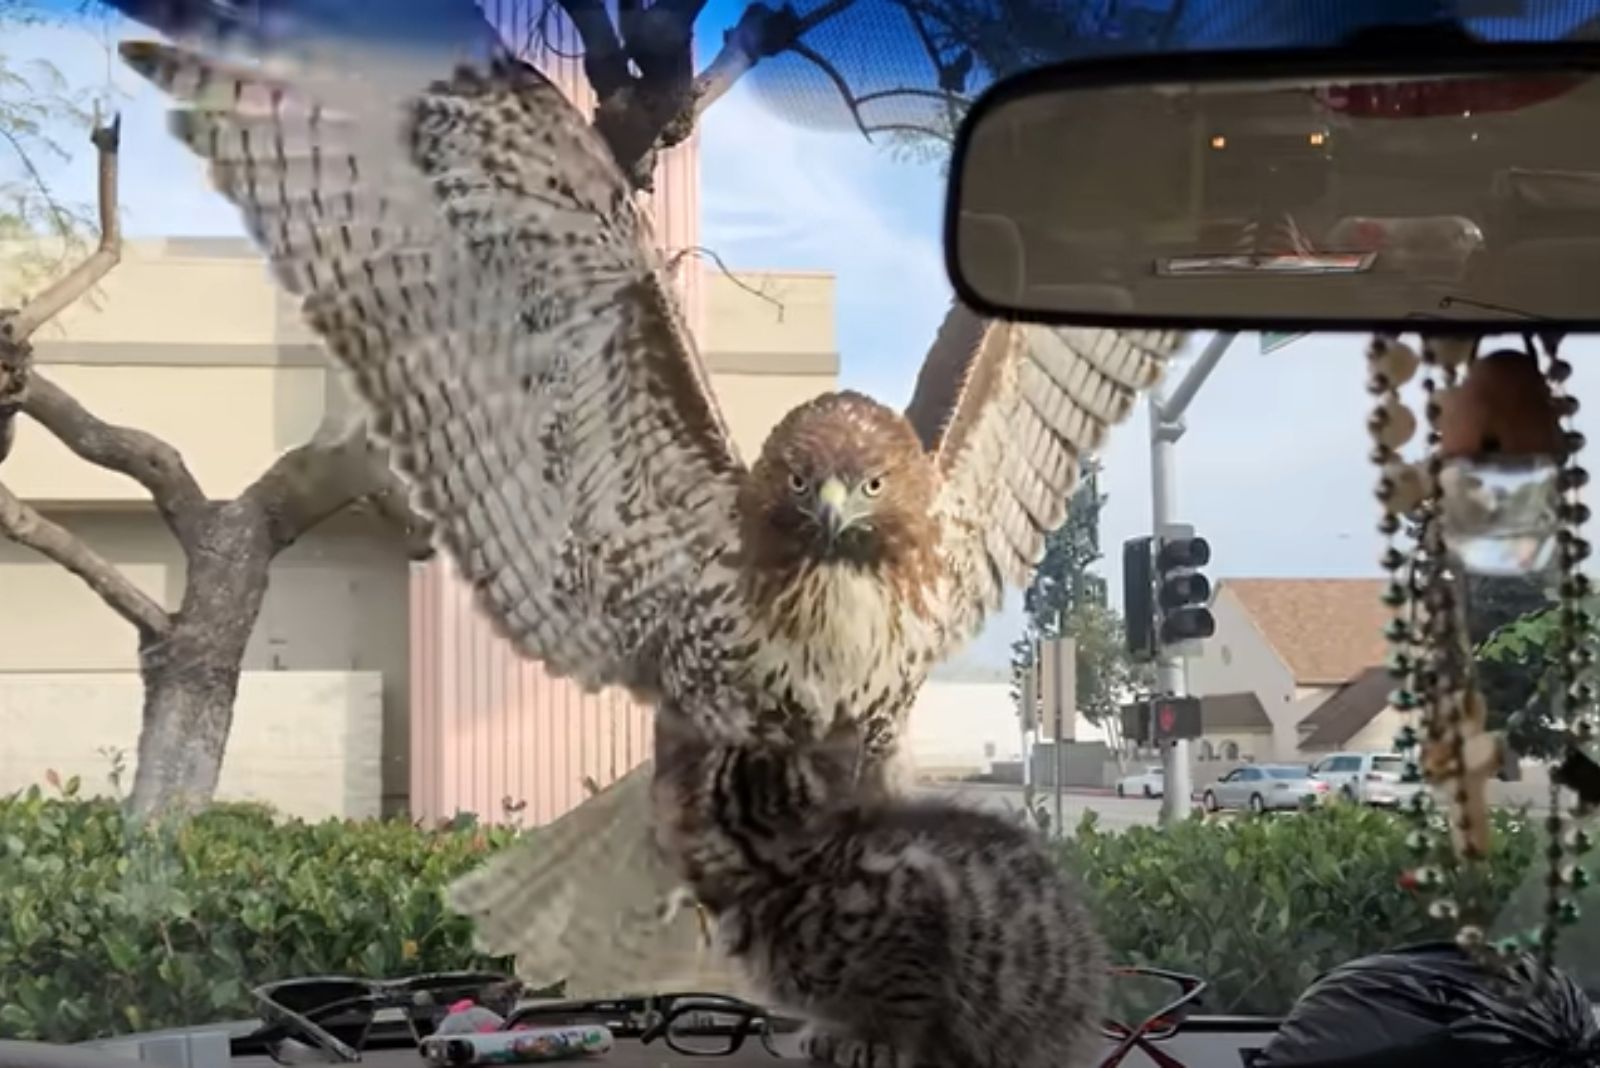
335	1013
694	1025
1160	1025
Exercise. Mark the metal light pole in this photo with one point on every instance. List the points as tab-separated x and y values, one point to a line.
1166	427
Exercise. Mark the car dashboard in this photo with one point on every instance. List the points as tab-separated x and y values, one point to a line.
1203	1042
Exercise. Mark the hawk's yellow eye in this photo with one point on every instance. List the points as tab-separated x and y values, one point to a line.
872	486
797	484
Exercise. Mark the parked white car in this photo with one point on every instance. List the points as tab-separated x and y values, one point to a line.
1148	782
1366	778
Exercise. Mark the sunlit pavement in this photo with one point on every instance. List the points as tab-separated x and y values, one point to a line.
1114	812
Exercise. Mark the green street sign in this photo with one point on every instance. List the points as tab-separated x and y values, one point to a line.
1272	341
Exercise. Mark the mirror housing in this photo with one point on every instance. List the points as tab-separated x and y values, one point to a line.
1378	186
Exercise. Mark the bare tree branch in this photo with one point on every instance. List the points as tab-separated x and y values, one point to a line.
143	457
605	64
23	525
634	108
839	83
760	33
639	114
13	376
659	40
20	327
393	505
319	479
706	253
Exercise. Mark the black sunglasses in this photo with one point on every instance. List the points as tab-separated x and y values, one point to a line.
1160	1025
335	1013
694	1025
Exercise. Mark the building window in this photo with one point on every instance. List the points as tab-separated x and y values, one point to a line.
1206	752
1230	750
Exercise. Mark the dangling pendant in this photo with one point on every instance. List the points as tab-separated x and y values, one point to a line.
1459	762
1448	746
1501	444
1495	493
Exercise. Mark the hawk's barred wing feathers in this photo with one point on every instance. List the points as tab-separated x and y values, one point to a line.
1009	410
473	257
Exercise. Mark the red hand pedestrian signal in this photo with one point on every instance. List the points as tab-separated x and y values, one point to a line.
1177	717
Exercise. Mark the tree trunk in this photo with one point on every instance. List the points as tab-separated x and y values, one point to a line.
191	674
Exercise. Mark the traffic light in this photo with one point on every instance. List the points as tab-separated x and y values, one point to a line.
1173	718
1138	597
1136	723
1183	594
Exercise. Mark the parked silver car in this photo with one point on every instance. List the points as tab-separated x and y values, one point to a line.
1265	788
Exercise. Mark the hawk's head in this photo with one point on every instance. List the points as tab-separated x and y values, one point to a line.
841	479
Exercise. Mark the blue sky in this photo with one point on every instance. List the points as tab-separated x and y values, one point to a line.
1272	469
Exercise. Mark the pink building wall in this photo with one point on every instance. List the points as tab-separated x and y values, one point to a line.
488	727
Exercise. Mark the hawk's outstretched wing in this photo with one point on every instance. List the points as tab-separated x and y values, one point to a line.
468	250
1008	409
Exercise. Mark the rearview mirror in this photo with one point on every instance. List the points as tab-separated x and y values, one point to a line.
1312	190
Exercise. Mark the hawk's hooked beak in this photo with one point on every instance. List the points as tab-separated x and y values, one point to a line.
831	500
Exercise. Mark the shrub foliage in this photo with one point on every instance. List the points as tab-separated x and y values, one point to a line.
107	929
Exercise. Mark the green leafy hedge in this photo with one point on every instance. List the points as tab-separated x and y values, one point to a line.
104	930
1261	906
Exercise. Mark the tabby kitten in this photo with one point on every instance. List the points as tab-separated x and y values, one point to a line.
910	932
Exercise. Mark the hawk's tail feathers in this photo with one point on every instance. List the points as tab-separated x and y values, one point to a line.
585	901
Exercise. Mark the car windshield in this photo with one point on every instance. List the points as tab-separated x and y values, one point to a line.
385	448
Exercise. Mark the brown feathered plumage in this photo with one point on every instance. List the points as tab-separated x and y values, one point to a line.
471	255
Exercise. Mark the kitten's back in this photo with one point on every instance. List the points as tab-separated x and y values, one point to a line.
947	932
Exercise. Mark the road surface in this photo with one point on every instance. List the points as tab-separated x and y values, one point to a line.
1118	813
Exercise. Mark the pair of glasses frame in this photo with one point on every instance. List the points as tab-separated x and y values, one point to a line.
334	1014
1159	1025
691	1024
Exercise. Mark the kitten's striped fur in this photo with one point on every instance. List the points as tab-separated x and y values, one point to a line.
913	932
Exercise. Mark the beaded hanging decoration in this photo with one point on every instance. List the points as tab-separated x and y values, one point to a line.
1446	741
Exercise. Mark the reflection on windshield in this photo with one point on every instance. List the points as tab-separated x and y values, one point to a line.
259	729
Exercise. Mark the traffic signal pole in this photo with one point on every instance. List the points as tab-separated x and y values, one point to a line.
1166	427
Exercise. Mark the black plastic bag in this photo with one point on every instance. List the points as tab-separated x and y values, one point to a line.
1433	1005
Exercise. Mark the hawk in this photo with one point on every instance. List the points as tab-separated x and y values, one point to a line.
466	247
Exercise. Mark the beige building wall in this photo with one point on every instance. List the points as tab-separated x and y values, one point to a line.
1239	659
957	729
309	743
1307	699
1378	735
770	343
1212	759
189	339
